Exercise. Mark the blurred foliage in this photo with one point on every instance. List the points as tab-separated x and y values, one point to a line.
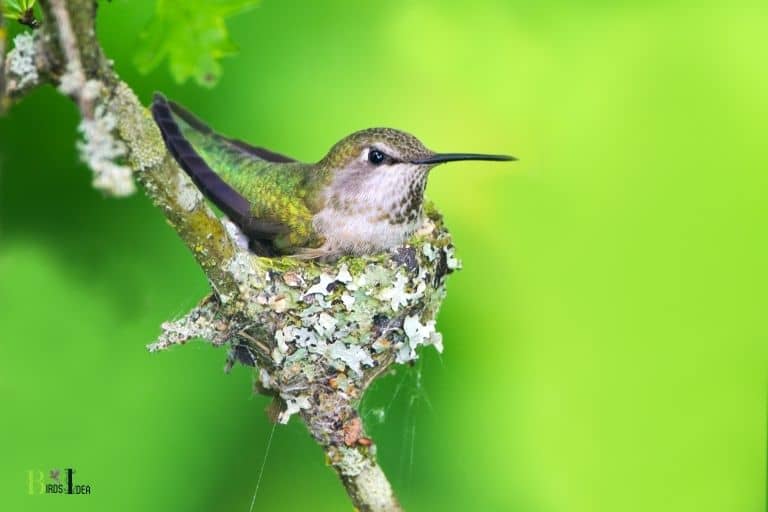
192	35
605	344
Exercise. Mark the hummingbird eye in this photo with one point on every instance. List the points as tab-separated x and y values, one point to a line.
376	157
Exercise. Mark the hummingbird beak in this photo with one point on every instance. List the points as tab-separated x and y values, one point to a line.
439	158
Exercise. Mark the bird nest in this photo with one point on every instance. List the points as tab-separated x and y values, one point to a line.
318	333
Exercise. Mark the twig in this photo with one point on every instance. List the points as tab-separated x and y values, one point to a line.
73	82
354	458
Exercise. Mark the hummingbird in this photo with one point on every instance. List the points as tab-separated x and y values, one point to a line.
364	196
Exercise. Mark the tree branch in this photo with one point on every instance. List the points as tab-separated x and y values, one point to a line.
317	333
75	82
117	127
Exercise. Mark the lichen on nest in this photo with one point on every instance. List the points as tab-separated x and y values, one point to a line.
334	325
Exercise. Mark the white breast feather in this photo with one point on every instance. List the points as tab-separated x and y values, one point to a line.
365	225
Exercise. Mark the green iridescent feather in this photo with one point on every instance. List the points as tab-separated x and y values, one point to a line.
282	193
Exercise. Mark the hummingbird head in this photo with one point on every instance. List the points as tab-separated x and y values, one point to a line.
379	175
380	149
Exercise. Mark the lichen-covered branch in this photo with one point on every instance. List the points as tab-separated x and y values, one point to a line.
171	190
22	68
350	452
120	142
316	333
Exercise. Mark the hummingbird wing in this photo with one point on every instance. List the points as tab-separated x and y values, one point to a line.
236	177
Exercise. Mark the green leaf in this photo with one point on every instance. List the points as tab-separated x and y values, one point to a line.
192	35
16	9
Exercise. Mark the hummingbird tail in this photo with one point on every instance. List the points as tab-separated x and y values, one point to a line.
224	196
171	118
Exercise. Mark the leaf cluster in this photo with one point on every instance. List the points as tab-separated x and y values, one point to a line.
22	11
193	37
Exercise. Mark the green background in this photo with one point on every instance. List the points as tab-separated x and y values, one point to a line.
605	342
